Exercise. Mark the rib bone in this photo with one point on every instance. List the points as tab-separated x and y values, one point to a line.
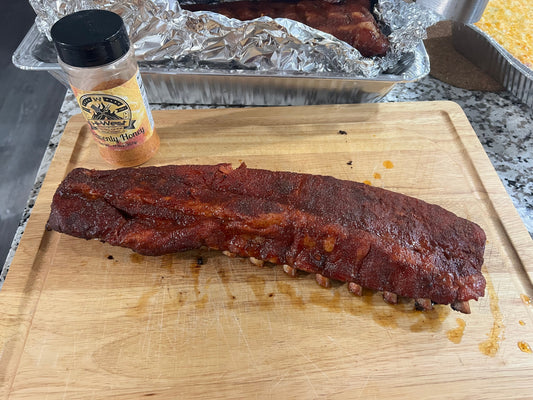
355	288
423	304
389	297
461	306
256	261
291	271
323	281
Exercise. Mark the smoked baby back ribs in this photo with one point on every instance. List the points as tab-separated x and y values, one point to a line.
347	20
342	230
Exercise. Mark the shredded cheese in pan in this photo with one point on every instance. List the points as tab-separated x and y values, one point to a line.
509	23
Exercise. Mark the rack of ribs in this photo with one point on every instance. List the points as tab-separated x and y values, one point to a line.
347	20
342	230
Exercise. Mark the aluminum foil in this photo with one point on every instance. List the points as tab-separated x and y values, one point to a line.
164	34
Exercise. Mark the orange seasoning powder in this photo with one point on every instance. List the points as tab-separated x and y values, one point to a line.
94	50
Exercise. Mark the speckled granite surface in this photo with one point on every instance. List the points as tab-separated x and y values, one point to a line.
503	124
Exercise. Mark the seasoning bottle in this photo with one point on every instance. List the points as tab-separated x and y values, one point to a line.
94	50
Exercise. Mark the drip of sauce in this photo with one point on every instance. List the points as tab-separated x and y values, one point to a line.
221	273
201	298
388	164
143	302
258	286
456	335
367	183
522	323
136	258
287	289
526	348
491	346
195	271
377	175
330	299
430	320
167	263
526	299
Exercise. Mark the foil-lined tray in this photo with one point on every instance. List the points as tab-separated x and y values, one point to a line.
487	54
242	87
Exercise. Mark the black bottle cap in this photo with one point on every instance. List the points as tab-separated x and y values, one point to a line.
90	38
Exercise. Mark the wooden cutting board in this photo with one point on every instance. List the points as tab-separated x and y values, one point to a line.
84	320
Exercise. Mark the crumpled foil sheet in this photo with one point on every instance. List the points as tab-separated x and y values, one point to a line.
165	35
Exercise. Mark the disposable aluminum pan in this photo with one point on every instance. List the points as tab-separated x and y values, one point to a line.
241	87
491	57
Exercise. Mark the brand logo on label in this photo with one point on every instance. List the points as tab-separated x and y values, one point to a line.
107	114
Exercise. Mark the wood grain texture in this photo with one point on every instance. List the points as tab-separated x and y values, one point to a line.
84	320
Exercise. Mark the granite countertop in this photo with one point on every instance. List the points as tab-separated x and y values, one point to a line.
503	124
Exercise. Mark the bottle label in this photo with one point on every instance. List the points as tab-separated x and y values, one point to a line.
119	116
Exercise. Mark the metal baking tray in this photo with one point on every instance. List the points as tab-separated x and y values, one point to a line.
482	50
237	87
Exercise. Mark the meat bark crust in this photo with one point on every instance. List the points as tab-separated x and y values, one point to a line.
348	20
343	230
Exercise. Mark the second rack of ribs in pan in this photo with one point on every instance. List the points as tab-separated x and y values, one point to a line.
348	20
